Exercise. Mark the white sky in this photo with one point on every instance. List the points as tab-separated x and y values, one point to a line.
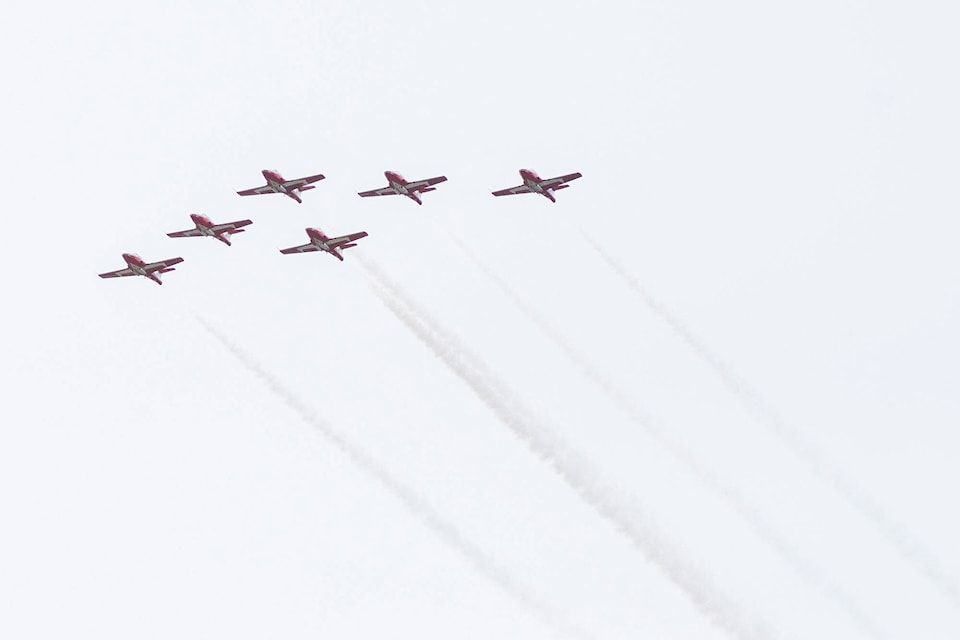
780	179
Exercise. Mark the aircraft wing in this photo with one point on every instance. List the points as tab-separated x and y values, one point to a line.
512	191
385	191
119	273
189	233
303	248
228	227
551	182
163	264
420	184
343	240
256	192
299	182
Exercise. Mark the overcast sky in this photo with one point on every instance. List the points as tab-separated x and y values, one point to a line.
709	393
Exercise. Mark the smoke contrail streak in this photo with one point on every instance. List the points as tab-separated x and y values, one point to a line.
895	534
578	475
708	478
444	529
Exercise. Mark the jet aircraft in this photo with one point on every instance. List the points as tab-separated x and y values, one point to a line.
206	227
398	186
532	183
277	184
137	267
319	241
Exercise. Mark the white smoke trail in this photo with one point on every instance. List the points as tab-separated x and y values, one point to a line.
575	472
894	532
442	528
729	495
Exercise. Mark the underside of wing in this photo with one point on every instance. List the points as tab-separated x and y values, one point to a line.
230	227
299	182
189	233
303	248
342	240
256	192
512	191
163	264
419	184
561	179
119	273
385	191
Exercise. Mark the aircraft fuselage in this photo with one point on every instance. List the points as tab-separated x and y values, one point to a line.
136	264
397	183
274	180
534	183
319	240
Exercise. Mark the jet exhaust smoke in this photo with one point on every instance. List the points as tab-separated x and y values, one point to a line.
445	530
575	472
709	479
894	532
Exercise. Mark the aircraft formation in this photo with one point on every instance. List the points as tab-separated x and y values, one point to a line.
397	185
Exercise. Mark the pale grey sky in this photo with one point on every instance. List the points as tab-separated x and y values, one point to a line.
777	180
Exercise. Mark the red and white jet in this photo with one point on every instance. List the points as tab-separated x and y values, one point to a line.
398	186
277	184
137	267
206	227
320	242
532	183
